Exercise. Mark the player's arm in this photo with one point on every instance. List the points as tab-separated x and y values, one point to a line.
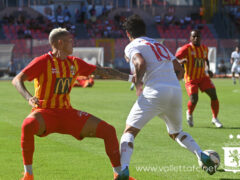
178	69
18	82
231	60
182	61
140	68
111	73
210	73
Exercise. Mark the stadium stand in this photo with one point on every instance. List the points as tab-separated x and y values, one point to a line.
101	26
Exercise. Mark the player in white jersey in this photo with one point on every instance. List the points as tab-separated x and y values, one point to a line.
162	96
235	61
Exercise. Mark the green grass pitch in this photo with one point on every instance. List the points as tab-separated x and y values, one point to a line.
156	156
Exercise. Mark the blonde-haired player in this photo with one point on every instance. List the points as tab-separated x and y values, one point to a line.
54	74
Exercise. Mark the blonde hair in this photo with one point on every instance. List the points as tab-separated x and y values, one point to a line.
56	34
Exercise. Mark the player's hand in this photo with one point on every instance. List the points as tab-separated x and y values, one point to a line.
182	61
210	73
180	73
33	101
139	89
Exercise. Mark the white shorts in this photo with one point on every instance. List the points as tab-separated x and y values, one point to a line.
235	68
167	105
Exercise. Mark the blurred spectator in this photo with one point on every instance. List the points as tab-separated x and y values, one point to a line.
201	13
66	14
104	11
182	23
83	12
20	33
168	19
157	19
77	16
187	19
27	33
51	17
59	11
222	68
92	12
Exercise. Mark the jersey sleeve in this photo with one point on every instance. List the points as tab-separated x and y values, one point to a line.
232	55
181	53
34	68
84	69
130	51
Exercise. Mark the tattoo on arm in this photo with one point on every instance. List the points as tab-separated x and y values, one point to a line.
140	67
109	73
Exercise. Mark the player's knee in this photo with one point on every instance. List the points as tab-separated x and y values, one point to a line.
105	130
127	139
111	129
30	125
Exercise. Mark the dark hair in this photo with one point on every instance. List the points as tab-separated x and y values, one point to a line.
196	30
135	26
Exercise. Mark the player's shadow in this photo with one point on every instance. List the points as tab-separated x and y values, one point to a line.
222	170
207	127
228	179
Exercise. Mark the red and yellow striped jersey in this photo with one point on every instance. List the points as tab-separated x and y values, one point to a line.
196	56
54	78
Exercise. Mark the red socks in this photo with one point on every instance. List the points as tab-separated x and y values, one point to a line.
191	107
30	127
108	133
215	107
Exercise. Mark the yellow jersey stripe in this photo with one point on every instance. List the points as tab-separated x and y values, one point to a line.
194	68
53	99
61	103
49	83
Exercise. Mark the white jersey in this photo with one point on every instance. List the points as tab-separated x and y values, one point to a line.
159	66
236	57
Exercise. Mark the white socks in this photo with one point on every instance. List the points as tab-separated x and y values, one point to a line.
28	168
117	169
125	149
186	141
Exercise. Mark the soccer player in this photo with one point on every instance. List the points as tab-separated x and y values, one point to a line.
194	56
162	95
54	74
235	61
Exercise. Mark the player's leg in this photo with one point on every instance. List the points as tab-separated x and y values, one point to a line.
172	116
173	119
94	127
32	125
233	78
142	111
233	73
214	106
127	141
239	74
207	86
192	90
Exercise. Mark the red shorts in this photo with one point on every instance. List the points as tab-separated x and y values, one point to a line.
64	121
203	84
